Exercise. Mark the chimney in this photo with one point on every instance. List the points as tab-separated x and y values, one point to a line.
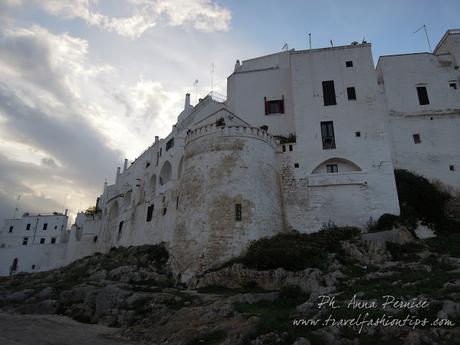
187	101
118	175
157	139
65	213
125	165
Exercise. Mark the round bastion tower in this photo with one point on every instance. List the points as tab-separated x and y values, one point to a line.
230	194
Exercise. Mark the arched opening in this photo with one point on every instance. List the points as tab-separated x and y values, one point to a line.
14	266
179	170
165	173
334	165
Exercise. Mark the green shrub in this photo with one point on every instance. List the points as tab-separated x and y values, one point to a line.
404	252
295	251
421	200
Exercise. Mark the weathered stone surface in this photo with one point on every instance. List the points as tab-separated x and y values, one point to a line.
237	276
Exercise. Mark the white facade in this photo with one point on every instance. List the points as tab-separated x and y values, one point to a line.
424	136
305	139
29	243
33	229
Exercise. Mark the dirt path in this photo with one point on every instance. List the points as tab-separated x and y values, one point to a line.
18	329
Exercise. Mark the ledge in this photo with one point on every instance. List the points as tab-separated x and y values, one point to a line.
337	179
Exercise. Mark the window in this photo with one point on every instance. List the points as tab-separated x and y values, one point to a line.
358	134
164	211
332	168
327	134
33	267
349	63
451	168
422	95
53	240
296	165
120	229
170	144
177	202
42	241
147	164
453	85
95	239
274	106
45	226
161	149
164	199
417	139
238	212
149	213
25	240
28	226
11	229
351	92
329	93
55	227
284	148
290	147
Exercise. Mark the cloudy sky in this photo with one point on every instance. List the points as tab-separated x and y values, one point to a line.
86	83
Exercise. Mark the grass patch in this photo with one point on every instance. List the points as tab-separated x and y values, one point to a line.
296	251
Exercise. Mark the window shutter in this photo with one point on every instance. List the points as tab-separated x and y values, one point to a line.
282	104
266	105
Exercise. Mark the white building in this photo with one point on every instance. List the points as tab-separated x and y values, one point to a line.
422	93
304	140
32	230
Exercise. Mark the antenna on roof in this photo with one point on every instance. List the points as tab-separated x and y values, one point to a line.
309	40
16	209
285	47
426	34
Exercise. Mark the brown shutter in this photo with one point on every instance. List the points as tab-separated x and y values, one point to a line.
266	105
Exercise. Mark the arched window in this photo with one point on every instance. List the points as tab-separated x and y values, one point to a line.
165	174
336	165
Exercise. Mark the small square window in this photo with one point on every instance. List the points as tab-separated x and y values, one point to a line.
349	63
28	227
42	241
284	148
351	93
296	165
451	168
417	139
332	168
290	148
238	212
53	240
274	106
25	240
453	85
11	229
45	226
55	227
33	267
358	134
